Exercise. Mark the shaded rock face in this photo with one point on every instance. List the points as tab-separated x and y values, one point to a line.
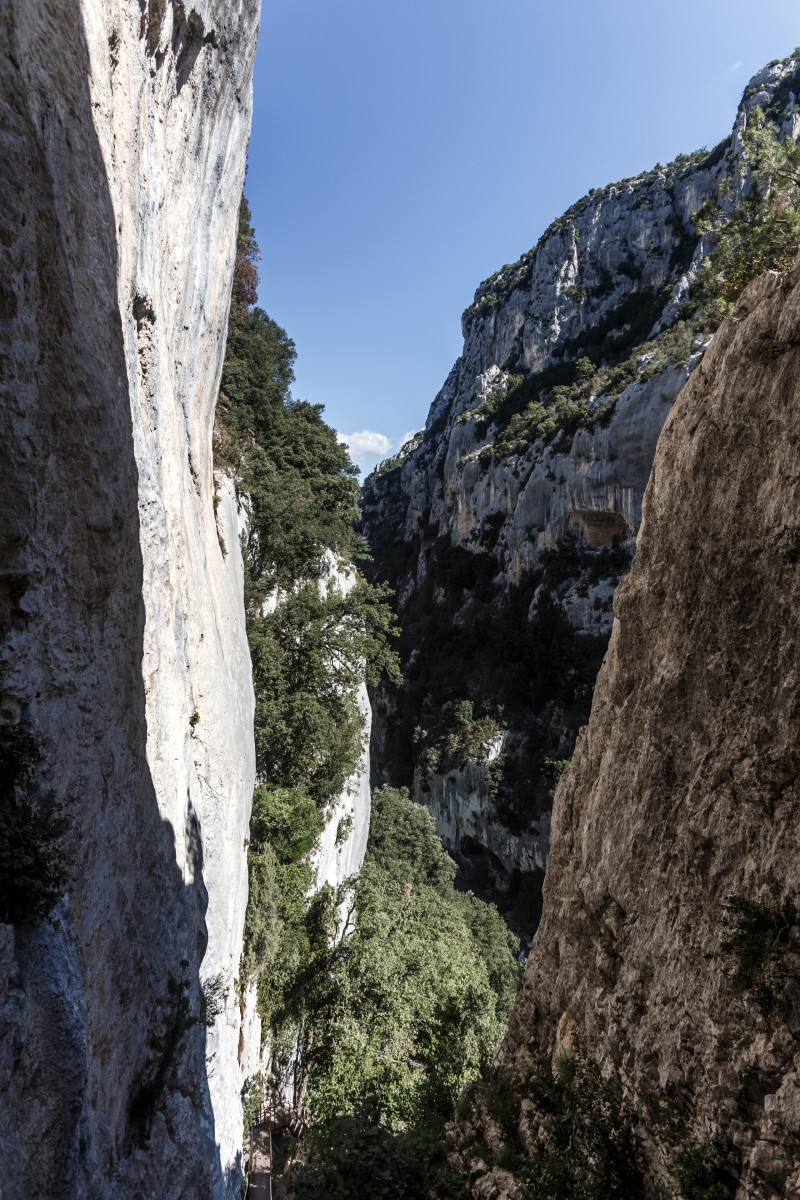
458	802
124	135
562	514
683	791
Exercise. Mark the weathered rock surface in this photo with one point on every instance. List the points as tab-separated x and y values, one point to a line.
609	274
459	804
124	134
683	791
343	842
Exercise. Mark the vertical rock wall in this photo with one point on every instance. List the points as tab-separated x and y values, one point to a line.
604	279
124	135
683	797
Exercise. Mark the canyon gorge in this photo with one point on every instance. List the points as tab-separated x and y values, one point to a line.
264	796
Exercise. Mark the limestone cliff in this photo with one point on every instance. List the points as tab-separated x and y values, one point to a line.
529	475
124	135
668	953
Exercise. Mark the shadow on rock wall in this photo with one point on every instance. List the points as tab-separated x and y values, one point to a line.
103	1080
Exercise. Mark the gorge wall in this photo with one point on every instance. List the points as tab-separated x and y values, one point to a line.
668	958
124	653
507	523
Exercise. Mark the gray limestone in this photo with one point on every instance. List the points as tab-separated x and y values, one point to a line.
123	145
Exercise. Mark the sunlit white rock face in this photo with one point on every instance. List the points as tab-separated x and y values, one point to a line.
124	138
618	264
343	842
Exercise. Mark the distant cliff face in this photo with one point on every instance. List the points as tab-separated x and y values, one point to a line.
526	485
669	950
124	652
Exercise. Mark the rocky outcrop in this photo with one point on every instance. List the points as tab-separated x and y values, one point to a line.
340	850
458	801
518	466
124	136
675	831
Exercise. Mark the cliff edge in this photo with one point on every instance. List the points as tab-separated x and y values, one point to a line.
667	963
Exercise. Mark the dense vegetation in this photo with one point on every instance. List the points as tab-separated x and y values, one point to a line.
568	1134
763	231
406	1010
385	999
477	660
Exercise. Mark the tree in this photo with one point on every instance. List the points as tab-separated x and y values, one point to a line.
405	1011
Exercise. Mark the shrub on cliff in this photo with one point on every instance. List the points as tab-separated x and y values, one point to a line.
763	232
309	657
405	1011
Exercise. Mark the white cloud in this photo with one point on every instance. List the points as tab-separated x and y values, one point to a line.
367	447
735	67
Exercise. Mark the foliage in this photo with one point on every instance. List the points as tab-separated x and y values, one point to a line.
301	487
573	393
311	645
254	1093
698	1173
354	1157
459	737
469	638
32	872
213	993
343	829
309	656
569	558
567	1133
763	231
286	819
263	919
405	1010
584	1150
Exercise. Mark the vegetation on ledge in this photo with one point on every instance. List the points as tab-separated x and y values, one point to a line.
406	1011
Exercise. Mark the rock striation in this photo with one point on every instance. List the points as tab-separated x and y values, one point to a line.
124	135
675	829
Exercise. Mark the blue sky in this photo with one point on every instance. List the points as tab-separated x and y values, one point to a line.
403	152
